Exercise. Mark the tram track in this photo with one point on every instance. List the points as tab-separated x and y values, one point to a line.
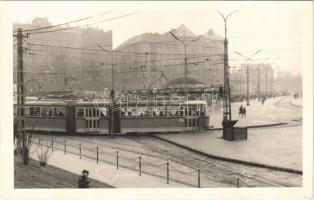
205	164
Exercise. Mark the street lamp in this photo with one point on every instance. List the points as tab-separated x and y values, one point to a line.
247	74
185	44
226	92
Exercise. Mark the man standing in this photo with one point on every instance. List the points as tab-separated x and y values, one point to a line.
83	181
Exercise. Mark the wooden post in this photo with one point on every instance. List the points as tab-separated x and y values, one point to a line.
167	173
80	150
65	147
140	165
117	159
97	154
238	182
199	178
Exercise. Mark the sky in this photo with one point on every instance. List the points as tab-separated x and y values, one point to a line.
283	31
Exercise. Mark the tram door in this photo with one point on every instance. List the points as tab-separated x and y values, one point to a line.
92	119
191	120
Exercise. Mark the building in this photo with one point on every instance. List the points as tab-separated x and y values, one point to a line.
57	61
151	60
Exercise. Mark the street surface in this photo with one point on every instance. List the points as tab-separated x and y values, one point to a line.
276	110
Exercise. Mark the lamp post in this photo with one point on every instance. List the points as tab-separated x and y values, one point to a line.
247	74
226	92
185	44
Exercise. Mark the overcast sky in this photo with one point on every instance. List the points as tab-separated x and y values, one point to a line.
282	30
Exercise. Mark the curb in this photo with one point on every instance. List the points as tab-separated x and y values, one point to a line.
294	105
255	126
254	164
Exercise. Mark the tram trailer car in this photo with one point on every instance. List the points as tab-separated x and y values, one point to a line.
87	117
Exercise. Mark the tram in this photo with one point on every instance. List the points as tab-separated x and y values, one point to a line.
74	117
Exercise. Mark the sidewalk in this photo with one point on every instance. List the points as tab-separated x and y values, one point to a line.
278	147
259	114
106	173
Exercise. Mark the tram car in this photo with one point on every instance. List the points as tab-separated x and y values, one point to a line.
72	117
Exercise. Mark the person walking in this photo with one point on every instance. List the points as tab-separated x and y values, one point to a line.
83	181
241	111
244	112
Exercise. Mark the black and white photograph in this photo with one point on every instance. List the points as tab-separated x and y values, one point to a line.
195	97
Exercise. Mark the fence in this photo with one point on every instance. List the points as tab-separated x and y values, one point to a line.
142	164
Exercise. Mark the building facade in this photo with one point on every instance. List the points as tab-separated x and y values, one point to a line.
152	60
60	61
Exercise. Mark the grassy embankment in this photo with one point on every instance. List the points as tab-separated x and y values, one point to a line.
35	176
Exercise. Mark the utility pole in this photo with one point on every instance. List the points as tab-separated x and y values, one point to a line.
21	95
143	74
247	74
258	84
240	84
266	82
112	70
226	92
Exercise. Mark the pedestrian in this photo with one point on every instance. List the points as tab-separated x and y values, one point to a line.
83	181
241	111
244	112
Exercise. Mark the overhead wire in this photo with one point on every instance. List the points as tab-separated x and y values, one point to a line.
66	23
80	26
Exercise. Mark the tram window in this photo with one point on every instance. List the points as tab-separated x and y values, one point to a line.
86	123
26	111
46	111
103	112
97	122
90	112
34	111
94	112
79	112
194	122
197	122
190	122
59	111
185	122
